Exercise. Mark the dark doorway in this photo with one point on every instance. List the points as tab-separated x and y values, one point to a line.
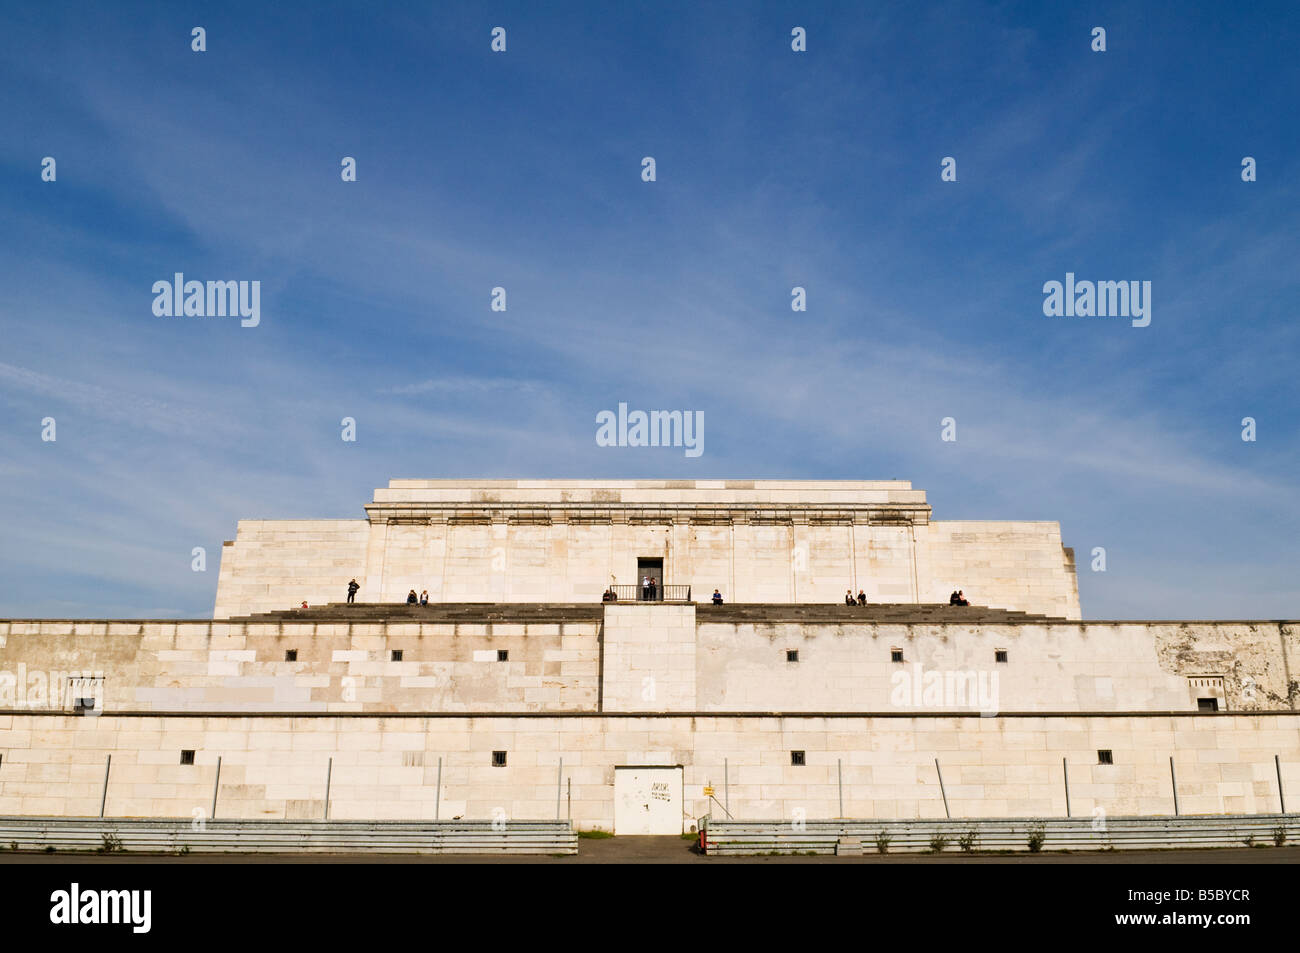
647	568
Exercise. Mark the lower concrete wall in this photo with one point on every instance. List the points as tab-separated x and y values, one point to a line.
387	767
152	835
855	837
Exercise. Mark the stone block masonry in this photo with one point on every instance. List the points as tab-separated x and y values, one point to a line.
770	541
378	667
778	700
651	658
385	767
650	662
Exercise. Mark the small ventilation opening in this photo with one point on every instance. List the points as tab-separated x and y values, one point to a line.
503	655
187	756
999	655
792	655
397	655
1104	756
498	759
896	655
291	655
83	705
798	758
1207	704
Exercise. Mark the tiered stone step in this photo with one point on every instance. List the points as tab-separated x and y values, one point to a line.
520	612
444	612
905	613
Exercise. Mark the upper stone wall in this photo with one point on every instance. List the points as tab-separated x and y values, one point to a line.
1005	565
663	492
276	564
566	540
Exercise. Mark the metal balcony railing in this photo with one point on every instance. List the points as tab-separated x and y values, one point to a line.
661	593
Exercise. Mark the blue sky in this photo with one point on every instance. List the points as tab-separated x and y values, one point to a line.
774	169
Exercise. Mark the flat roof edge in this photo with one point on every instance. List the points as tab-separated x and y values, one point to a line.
703	619
650	714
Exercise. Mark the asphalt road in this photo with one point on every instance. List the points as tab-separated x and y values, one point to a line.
673	850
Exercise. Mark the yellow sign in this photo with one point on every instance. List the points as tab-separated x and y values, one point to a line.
708	790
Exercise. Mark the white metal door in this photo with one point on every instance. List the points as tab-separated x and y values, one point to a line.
647	800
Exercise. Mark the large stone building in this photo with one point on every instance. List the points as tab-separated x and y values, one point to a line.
518	683
567	540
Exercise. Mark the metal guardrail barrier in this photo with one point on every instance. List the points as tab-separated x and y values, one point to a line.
155	835
853	836
670	593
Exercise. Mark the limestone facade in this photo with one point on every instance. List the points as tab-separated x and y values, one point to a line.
387	766
776	717
651	658
778	703
765	541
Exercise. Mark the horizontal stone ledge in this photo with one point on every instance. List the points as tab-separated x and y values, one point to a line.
751	715
669	512
596	605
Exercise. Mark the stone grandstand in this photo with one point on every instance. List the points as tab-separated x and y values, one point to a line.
783	702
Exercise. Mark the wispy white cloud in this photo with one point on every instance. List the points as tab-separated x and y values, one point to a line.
169	415
466	385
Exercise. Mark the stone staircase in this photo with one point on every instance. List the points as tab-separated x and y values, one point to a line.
904	613
522	612
442	612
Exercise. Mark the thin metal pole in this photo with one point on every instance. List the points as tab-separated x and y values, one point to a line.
215	785
437	795
569	800
108	763
1065	773
1281	794
559	787
329	773
946	813
839	771
726	788
1173	779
